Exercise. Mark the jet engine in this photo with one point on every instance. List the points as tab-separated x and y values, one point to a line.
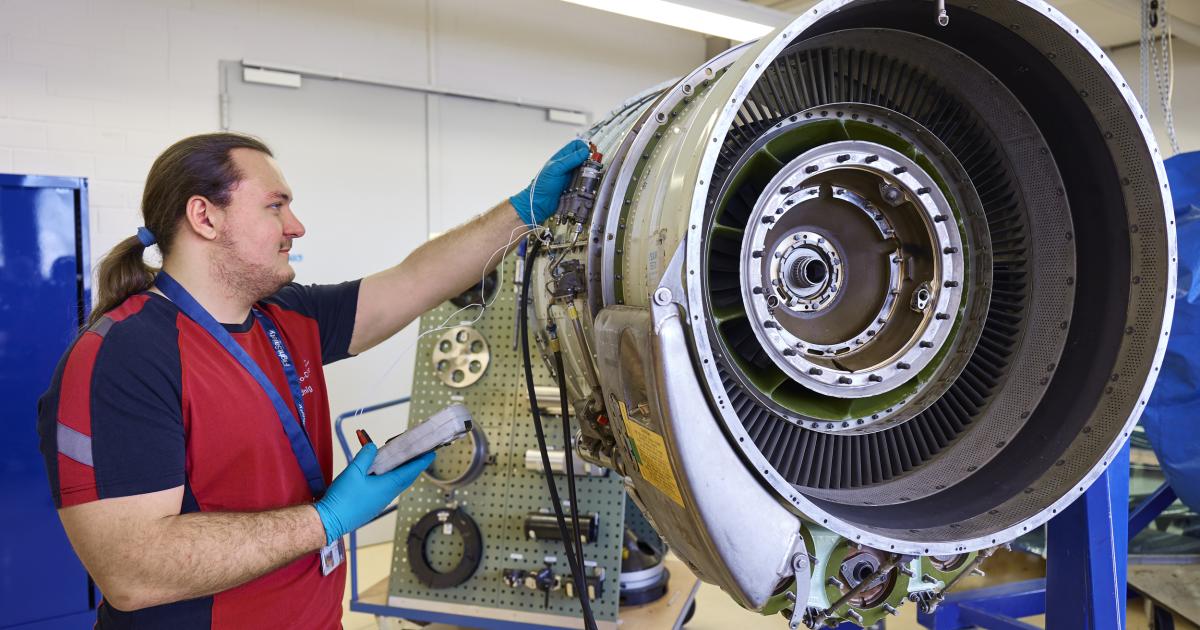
852	305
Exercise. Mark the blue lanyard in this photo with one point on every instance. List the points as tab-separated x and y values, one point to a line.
302	448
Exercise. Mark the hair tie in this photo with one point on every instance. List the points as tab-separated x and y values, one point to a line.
146	237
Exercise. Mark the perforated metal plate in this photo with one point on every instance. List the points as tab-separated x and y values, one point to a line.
505	492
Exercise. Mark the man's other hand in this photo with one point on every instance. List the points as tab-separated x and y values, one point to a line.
355	497
540	199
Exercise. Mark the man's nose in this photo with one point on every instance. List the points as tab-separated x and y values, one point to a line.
292	227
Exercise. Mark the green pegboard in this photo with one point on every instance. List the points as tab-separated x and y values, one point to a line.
505	491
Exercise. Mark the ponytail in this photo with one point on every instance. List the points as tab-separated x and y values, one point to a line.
196	166
122	273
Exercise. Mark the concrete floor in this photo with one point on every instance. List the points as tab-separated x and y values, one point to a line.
716	611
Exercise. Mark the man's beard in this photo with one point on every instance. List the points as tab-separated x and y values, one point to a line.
242	278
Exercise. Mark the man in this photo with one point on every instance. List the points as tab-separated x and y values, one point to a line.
186	432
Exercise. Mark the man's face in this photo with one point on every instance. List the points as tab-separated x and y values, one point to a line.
258	228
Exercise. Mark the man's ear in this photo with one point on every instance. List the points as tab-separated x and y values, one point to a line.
204	217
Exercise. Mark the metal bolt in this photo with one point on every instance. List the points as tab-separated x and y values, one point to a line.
854	615
662	296
834	582
891	194
890	609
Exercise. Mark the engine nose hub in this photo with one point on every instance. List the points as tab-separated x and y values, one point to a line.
805	272
809	272
853	269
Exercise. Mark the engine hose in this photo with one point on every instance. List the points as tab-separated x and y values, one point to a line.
589	620
568	453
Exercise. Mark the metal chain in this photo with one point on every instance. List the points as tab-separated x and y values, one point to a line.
1166	87
1157	46
1144	57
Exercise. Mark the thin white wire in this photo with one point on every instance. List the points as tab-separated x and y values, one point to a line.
540	230
373	391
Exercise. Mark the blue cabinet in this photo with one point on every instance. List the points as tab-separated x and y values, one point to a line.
44	295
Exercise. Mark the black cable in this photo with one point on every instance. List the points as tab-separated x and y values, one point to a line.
589	620
569	456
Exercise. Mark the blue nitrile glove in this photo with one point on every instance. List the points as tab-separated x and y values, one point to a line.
548	185
355	497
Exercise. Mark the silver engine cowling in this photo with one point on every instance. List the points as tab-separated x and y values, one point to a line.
870	291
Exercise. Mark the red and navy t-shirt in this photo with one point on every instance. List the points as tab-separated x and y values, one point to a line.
146	400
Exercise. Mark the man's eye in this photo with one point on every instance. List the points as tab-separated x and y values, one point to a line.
276	206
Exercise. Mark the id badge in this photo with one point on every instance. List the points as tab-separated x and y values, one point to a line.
332	556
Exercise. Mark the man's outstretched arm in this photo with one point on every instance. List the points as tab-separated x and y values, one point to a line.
449	264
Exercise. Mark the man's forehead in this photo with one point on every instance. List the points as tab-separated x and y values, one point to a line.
261	173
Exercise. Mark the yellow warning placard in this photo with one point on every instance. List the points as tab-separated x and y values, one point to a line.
650	451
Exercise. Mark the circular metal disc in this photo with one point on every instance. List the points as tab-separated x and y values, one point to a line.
461	356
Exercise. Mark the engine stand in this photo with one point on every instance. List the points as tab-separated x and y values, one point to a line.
1086	565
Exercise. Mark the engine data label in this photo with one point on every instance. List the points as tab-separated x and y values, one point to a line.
650	451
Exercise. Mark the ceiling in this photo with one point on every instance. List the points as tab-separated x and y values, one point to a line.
1110	22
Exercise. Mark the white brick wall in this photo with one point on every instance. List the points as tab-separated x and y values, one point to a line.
97	88
22	135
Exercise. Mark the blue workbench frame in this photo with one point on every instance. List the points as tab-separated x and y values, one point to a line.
1086	566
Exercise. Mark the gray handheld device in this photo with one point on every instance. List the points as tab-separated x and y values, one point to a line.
440	429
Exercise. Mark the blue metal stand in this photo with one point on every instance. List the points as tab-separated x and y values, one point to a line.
355	604
1086	566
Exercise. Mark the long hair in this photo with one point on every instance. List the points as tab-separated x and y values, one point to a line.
199	165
